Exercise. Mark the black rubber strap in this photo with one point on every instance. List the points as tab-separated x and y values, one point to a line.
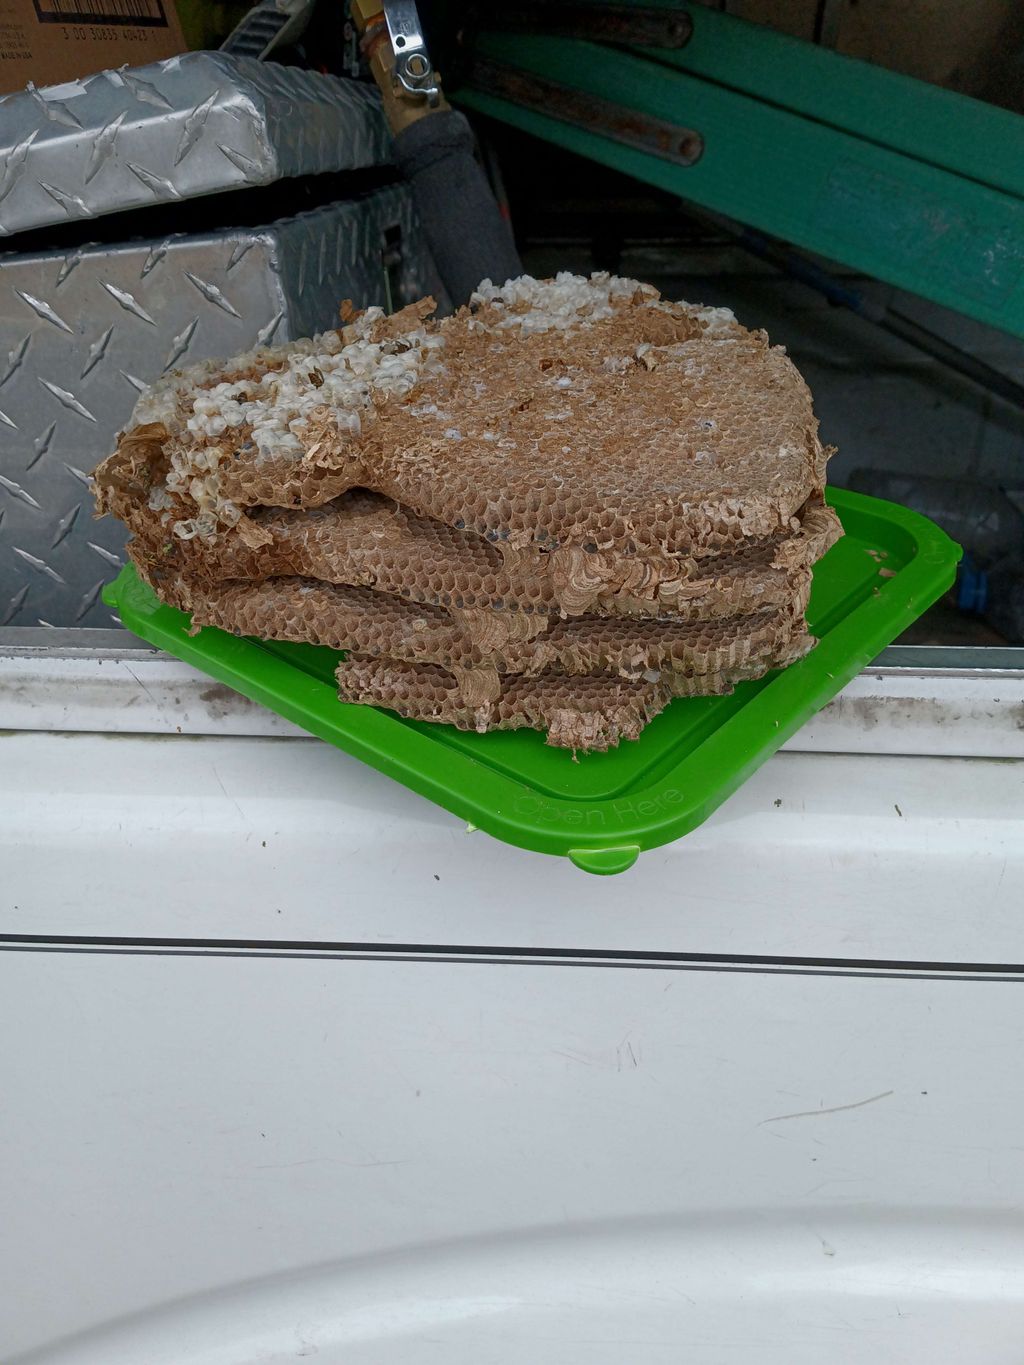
468	238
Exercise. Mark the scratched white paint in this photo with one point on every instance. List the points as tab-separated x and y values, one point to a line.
818	854
224	1161
962	713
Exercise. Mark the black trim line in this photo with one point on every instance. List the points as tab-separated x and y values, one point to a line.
511	955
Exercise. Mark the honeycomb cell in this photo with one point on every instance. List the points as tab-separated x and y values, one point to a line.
561	525
487	439
385	625
580	713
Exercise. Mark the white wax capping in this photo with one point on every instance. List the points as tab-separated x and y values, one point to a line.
277	402
536	306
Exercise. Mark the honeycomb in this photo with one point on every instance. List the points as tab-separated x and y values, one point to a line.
366	540
639	425
377	625
595	711
561	507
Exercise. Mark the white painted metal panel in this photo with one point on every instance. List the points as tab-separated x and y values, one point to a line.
405	1163
818	855
955	711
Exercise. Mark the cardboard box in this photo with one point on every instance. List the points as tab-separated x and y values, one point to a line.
49	42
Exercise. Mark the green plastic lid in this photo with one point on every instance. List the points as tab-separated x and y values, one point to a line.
602	809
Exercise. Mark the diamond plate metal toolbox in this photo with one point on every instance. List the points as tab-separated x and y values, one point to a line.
191	125
81	334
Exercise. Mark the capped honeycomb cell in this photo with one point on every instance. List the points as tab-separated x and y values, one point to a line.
581	411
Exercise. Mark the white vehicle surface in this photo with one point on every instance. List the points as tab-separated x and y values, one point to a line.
297	1065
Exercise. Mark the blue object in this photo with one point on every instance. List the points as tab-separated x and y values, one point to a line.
972	586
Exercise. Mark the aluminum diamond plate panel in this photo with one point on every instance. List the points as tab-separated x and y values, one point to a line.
82	334
188	126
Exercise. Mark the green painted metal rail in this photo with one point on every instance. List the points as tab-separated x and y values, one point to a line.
901	180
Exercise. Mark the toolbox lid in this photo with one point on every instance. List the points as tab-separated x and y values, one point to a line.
191	125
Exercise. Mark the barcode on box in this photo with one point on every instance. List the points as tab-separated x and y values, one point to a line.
146	13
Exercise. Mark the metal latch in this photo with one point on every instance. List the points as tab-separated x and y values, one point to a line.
414	70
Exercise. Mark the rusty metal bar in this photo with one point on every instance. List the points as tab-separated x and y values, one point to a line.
639	25
656	136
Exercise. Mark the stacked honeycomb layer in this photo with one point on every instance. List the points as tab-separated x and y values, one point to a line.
560	508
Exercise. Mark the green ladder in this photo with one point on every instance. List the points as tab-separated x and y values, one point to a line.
898	179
